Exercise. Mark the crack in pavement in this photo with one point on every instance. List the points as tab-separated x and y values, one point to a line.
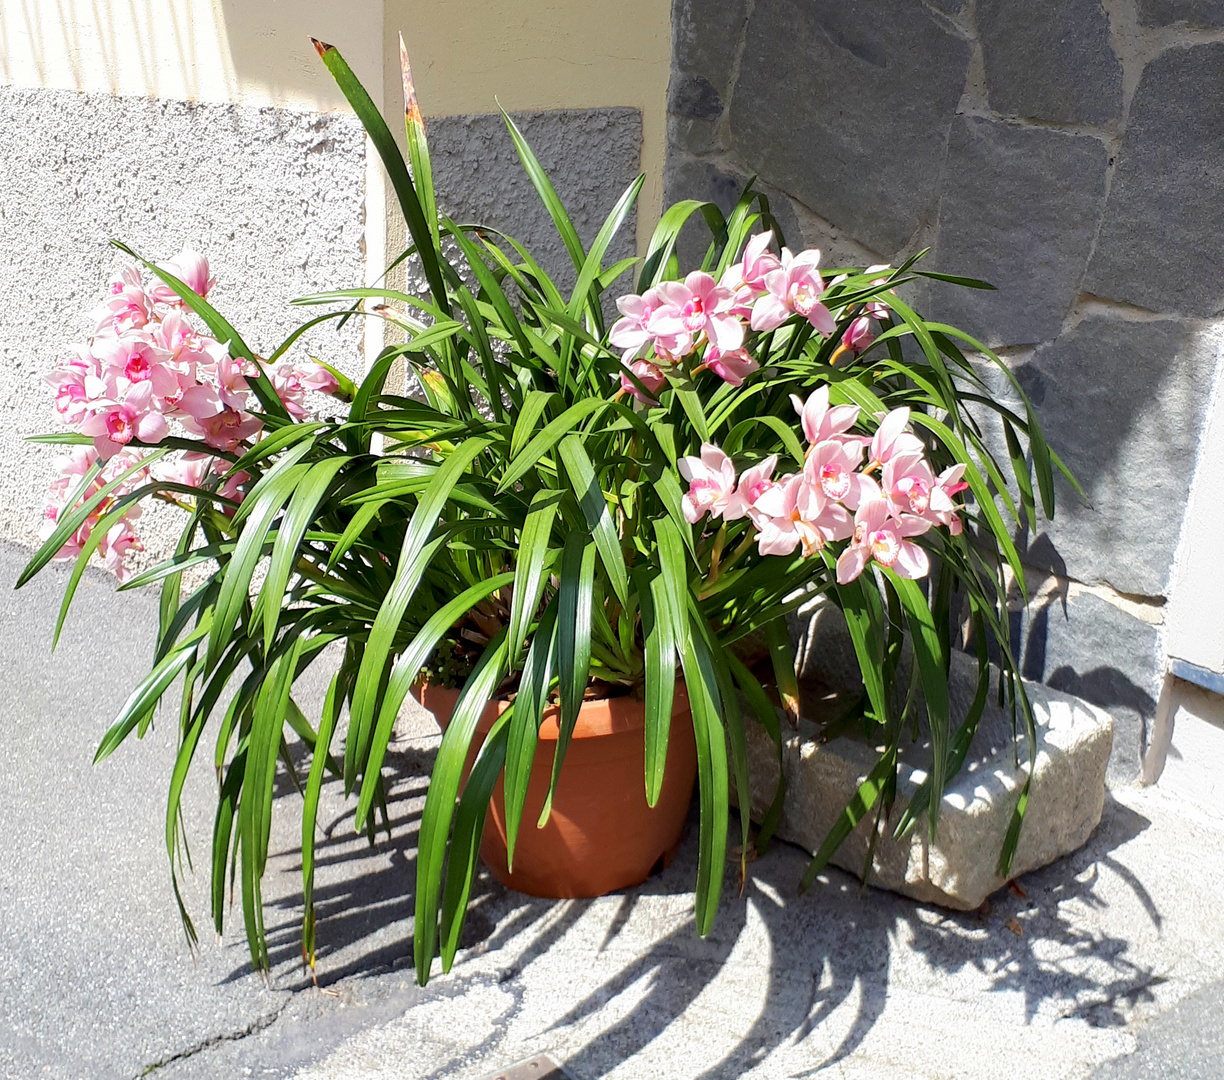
260	1023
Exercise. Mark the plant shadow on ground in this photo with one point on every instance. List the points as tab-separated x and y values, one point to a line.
837	945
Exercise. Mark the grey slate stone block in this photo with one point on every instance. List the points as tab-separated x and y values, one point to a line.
1019	209
1194	13
1081	644
1157	246
1050	60
705	36
1122	402
846	105
721	183
957	868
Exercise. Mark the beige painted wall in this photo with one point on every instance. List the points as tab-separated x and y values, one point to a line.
256	52
540	54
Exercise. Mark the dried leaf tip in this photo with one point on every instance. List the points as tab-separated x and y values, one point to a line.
321	47
412	111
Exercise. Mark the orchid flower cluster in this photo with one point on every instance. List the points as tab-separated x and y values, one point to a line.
147	367
836	496
712	319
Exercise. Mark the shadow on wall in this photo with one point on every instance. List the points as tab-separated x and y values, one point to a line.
824	986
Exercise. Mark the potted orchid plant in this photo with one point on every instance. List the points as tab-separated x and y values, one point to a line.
569	531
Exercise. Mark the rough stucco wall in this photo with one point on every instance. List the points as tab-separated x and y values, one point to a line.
272	197
1069	151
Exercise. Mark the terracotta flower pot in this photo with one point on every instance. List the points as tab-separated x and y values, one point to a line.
601	835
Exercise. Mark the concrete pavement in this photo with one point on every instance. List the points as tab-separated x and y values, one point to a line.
1108	962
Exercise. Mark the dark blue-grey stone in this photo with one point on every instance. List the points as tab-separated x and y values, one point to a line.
695	178
1019	209
705	38
1159	245
1122	402
1050	60
846	105
1194	13
1081	644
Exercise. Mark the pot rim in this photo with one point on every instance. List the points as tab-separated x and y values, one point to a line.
598	717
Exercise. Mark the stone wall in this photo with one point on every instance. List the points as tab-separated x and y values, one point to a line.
1070	152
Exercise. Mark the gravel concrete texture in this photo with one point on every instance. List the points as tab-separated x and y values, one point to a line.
97	980
273	197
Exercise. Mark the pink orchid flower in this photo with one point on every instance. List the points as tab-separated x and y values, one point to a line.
629	331
908	483
74	391
650	375
120	540
125	308
223	430
884	539
711	480
794	513
133	359
753	483
191	470
732	367
191	268
694	306
793	289
830	466
857	339
232	488
948	485
821	423
114	424
745	280
317	378
632	333
184	345
892	439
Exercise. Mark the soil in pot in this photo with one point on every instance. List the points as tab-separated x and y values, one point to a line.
601	835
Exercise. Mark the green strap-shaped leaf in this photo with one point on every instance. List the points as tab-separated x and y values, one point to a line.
658	624
440	801
404	674
407	577
298	516
540	444
548	195
149	690
310	806
393	161
860	804
529	707
573	646
763	710
929	653
465	839
534	547
237	573
223	829
584	294
595	509
704	701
